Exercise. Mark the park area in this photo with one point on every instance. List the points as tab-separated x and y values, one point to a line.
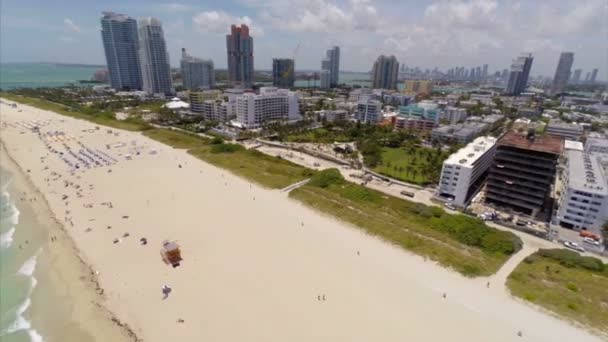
564	282
417	165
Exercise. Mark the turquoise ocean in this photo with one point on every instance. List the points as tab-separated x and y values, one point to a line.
37	75
21	243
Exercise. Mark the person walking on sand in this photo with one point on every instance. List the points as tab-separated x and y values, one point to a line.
166	290
488	285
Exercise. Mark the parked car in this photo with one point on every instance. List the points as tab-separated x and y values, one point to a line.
407	193
591	241
450	206
574	245
587	234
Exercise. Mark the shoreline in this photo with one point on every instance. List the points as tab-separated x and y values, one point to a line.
88	290
252	269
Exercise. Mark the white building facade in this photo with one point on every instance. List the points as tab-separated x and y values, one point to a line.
584	198
463	172
368	111
270	105
453	115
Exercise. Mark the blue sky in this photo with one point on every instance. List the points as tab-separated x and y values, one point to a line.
423	33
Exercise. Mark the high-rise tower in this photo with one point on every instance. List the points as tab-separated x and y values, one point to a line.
239	46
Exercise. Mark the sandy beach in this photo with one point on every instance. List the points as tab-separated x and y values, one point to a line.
257	265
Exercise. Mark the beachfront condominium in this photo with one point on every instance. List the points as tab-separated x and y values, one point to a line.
465	171
154	58
385	72
239	46
197	73
368	110
121	45
584	197
562	73
330	68
283	72
519	74
270	105
522	175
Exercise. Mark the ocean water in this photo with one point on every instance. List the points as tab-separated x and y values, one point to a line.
37	75
20	247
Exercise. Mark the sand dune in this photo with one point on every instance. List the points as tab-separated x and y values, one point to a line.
253	269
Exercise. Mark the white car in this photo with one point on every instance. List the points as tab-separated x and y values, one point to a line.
450	206
574	245
591	241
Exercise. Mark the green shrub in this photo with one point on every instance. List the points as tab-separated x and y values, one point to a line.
217	141
572	259
572	287
226	148
325	178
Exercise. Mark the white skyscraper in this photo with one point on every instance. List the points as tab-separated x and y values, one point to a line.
155	68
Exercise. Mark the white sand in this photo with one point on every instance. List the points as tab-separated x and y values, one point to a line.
252	272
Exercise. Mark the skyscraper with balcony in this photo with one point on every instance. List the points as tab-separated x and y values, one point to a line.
520	72
239	46
562	73
593	76
197	73
330	68
121	45
385	72
283	72
155	68
576	78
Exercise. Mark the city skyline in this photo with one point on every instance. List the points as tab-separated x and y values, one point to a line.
442	34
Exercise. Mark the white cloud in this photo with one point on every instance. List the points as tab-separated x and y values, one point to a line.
71	26
175	7
219	22
320	15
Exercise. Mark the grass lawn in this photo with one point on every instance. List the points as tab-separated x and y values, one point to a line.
271	172
319	136
456	241
176	139
567	289
417	165
129	125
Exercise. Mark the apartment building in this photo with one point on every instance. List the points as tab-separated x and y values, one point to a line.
453	115
270	105
459	133
523	172
584	198
565	130
465	171
369	111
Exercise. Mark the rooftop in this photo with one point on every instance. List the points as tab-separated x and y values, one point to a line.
547	144
573	145
586	173
467	155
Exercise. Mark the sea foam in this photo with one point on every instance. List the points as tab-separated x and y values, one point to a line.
6	238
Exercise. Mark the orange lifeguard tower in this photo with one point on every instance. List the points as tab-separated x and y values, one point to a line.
171	253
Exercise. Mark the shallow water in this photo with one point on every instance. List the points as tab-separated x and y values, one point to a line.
20	245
